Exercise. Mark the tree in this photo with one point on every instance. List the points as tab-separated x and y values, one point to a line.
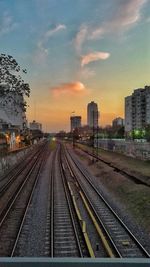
76	134
11	83
138	133
147	132
120	132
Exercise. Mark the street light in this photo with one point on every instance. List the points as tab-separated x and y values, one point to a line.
95	112
73	141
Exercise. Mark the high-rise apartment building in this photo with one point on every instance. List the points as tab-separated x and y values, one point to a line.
92	114
137	109
75	122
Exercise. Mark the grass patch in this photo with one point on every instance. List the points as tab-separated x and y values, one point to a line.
52	145
137	200
81	157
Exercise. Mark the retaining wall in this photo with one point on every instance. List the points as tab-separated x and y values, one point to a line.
12	158
133	149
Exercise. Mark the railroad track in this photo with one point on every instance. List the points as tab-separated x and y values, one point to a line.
94	238
13	184
13	216
119	236
66	239
17	170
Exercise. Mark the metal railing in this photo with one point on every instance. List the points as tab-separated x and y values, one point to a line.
73	262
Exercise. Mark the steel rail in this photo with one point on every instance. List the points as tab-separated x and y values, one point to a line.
20	169
14	198
28	205
111	252
145	252
53	202
52	207
65	184
19	187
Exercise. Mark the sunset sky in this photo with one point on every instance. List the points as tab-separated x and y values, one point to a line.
76	51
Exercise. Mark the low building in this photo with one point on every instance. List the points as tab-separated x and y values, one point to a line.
85	132
34	125
118	122
75	122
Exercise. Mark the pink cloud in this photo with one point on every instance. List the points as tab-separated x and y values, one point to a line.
69	89
80	37
58	28
86	73
86	59
41	52
127	14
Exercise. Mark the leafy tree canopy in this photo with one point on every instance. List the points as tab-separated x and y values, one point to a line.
10	77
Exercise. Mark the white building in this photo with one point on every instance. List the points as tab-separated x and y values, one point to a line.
34	125
137	109
92	114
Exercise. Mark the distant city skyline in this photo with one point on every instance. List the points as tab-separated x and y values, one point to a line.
76	52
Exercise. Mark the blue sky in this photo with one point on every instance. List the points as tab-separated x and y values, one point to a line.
76	51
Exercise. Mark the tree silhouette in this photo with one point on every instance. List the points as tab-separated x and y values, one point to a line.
11	82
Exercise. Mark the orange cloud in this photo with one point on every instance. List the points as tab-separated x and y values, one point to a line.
94	57
68	88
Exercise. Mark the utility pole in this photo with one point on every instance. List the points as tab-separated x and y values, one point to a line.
93	136
73	137
95	132
97	142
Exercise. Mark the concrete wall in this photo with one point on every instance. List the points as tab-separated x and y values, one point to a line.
134	149
12	158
